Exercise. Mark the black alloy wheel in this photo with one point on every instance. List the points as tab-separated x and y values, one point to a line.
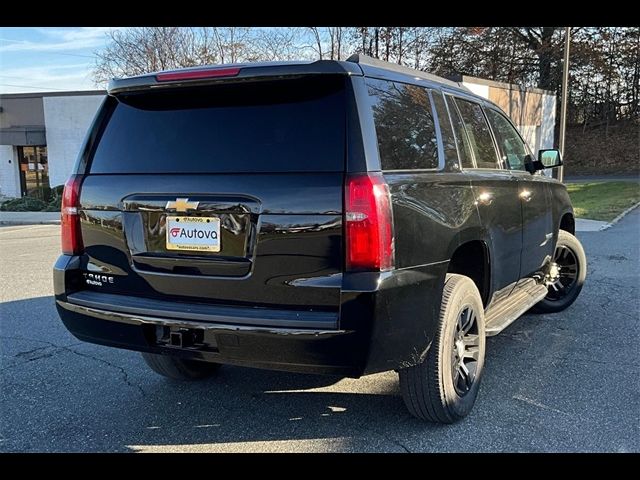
566	275
566	269
465	351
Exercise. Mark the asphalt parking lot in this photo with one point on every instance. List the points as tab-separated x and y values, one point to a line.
560	383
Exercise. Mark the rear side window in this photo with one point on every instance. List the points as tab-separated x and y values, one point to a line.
462	141
479	134
263	126
404	125
448	139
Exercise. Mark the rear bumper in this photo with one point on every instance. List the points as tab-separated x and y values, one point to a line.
386	321
291	349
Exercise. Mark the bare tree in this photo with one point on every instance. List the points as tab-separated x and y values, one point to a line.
136	51
271	44
329	42
317	35
543	41
605	61
335	39
141	50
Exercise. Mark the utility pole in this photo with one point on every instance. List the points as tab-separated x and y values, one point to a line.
565	98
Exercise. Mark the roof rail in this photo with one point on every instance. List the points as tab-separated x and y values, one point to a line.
362	59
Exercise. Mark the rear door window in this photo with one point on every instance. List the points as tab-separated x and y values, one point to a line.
462	141
448	138
262	126
405	127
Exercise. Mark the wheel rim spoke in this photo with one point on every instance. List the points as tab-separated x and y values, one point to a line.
470	323
466	376
471	340
463	320
465	355
472	352
568	269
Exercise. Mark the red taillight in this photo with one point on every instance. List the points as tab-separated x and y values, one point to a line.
197	74
368	223
70	218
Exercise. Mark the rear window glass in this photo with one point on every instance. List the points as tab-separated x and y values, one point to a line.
284	126
405	128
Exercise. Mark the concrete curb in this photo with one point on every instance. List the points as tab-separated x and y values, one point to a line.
29	222
29	218
586	225
620	217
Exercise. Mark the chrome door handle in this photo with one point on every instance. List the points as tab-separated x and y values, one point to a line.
526	195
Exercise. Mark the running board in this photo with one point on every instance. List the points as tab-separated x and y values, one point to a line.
508	310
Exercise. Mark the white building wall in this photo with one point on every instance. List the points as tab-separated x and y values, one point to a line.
531	135
482	90
547	128
67	120
9	173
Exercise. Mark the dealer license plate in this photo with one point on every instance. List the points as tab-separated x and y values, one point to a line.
200	234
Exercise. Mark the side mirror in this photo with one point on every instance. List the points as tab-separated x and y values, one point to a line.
549	158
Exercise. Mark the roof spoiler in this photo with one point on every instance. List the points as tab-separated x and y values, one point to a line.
206	74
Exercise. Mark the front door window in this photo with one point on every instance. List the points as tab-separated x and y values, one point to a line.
478	133
513	148
34	171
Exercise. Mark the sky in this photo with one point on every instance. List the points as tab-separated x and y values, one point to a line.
48	59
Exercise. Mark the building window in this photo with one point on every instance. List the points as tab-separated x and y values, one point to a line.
34	171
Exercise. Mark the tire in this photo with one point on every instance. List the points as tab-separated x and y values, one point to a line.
179	369
428	389
556	301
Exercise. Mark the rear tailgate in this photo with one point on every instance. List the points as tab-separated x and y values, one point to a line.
228	194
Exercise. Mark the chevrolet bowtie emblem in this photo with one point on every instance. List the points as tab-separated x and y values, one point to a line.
182	205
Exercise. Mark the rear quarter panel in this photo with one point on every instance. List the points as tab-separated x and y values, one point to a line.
433	213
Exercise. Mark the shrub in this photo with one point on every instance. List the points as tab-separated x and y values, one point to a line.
54	205
57	191
24	204
43	193
51	202
55	199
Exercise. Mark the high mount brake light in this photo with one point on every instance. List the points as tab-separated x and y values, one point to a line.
197	74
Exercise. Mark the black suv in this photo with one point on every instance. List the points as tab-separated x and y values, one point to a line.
337	217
